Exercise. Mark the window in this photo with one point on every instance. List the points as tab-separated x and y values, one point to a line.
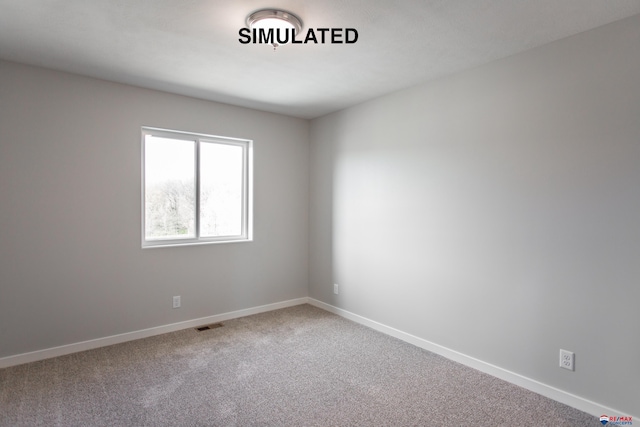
195	188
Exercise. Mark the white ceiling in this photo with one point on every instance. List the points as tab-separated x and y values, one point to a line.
191	47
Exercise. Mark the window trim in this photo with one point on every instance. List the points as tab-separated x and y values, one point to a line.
247	188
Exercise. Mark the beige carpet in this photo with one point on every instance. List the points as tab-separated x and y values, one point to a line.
299	366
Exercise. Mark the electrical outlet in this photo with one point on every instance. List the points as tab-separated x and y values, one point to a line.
176	301
336	289
566	359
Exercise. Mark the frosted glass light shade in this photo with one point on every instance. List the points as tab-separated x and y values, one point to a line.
274	18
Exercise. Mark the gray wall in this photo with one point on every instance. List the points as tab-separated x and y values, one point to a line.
71	265
496	212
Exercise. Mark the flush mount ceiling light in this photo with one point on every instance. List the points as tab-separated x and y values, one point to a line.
284	25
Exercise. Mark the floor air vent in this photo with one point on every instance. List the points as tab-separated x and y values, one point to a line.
207	327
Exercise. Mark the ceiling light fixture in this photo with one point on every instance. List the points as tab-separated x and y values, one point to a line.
282	24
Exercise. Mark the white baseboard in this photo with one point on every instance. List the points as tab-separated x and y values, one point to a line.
558	395
130	336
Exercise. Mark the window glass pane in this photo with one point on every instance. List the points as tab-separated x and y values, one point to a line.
169	188
221	183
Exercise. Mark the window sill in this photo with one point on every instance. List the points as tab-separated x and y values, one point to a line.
192	243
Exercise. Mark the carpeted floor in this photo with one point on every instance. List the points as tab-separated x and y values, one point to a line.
299	366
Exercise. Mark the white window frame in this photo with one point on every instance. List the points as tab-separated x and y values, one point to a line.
247	188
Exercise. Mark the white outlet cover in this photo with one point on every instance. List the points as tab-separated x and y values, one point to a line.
336	289
567	359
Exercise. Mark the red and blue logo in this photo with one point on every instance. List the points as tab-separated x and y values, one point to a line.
616	421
